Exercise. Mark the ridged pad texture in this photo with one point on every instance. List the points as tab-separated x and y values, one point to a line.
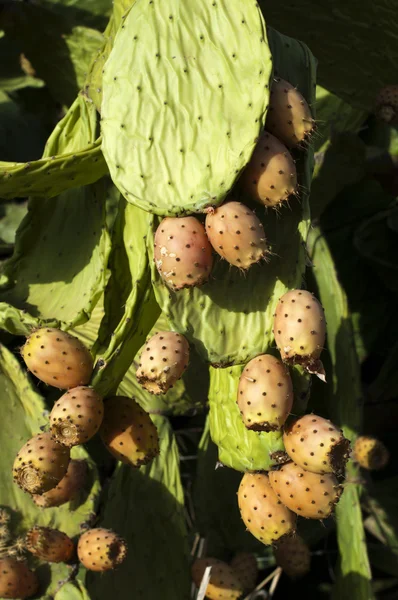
16	579
175	70
223	584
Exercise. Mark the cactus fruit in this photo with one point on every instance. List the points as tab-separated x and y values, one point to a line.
265	393
387	105
289	117
308	494
67	488
223	584
293	555
57	358
261	510
370	453
270	176
300	330
244	565
16	579
316	445
163	361
183	254
76	416
128	432
49	544
236	234
40	464
101	549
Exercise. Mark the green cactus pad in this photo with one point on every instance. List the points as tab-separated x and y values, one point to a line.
230	318
153	524
238	447
185	92
23	415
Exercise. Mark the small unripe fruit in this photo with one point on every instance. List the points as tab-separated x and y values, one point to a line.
183	254
387	105
49	544
294	556
68	487
223	584
163	361
265	393
236	234
244	565
40	464
16	579
370	453
57	358
101	549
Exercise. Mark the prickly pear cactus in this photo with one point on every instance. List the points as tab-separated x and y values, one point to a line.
177	160
239	310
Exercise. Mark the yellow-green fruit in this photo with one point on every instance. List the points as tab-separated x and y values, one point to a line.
244	565
289	117
223	584
68	487
101	549
262	511
40	464
49	544
76	416
293	555
128	432
16	579
270	176
370	453
57	358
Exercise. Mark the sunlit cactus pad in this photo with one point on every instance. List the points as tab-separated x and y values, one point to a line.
185	92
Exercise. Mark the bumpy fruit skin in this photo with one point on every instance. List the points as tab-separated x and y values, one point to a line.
16	579
261	510
163	361
76	416
370	453
244	565
300	330
289	117
294	556
236	234
316	445
101	549
387	105
57	358
49	544
271	175
183	254
40	464
308	494
223	584
265	393
128	432
67	489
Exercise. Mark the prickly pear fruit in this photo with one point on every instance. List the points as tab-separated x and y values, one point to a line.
101	549
308	494
163	361
261	510
265	393
57	358
67	488
40	464
300	329
16	579
128	432
244	565
236	234
387	105
49	544
223	583
270	176
316	445
76	416
293	555
289	117
370	453
183	254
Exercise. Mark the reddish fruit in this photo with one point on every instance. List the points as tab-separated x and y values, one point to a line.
16	579
68	487
244	565
101	549
293	555
49	544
